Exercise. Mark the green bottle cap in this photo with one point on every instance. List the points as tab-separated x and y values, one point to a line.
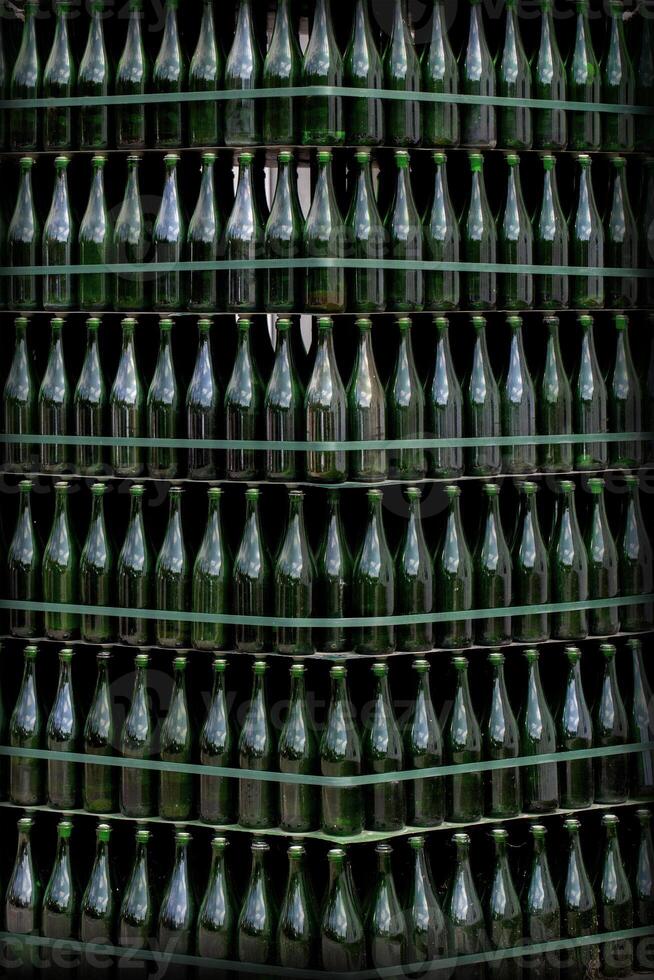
620	321
259	667
610	820
93	324
459	662
336	855
142	836
66	655
439	158
596	484
245	158
284	156
99	489
26	486
363	323
21	323
129	324
296	852
171	160
607	650
571	825
175	493
634	645
219	844
26	163
512	159
103	656
252	493
514	322
137	490
204	325
64	829
573	654
496	658
538	830
338	672
296	494
283	324
61	487
491	489
453	491
549	163
214	493
476	161
478	322
532	656
631	480
61	163
141	660
179	663
362	156
324	156
98	162
404	323
25	824
413	493
297	670
551	322
208	158
243	324
441	323
584	160
374	496
401	159
417	842
566	486
499	835
30	653
103	832
421	666
325	323
461	839
133	160
380	669
220	665
182	837
57	323
585	321
618	162
166	325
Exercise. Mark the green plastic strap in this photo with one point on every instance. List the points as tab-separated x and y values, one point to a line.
401	265
351	446
317	622
311	91
422	969
339	782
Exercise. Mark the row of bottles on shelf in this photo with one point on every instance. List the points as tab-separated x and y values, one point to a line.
295	584
266	737
331	120
252	233
310	402
406	918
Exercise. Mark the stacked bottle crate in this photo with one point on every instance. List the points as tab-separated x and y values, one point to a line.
328	592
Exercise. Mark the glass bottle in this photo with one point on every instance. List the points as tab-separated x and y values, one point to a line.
621	239
426	929
464	917
176	788
24	566
385	923
98	784
171	577
23	237
590	401
514	81
257	800
383	753
298	754
89	404
244	240
25	83
322	116
243	71
258	919
575	731
211	577
516	242
482	407
442	238
342	932
60	913
205	119
283	406
423	749
578	906
501	740
23	896
294	577
216	924
551	242
132	78
252	579
99	905
439	74
550	83
324	237
479	238
478	125
340	755
284	288
406	407
297	931
162	408
53	402
463	745
282	68
640	725
26	775
403	228
644	68
216	748
616	906
59	570
325	410
635	560
624	400
59	83
414	575
168	238
610	727
444	407
587	241
168	76
602	563
503	910
541	912
366	409
365	238
96	572
137	785
61	736
537	730
244	401
202	401
554	404
363	68
373	582
568	567
453	576
518	404
130	244
136	918
492	571
402	74
176	918
642	887
94	79
57	243
584	84
618	85
334	577
133	573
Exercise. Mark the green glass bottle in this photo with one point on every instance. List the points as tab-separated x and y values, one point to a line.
294	578
322	116
550	83
442	239
59	570
342	932
590	401
492	571
202	400
130	243
587	241
382	748
298	754
640	725
363	68
482	407
59	83
176	917
176	788
23	237
169	76
94	79
162	408
406	408
334	575
444	407
575	731
256	930
479	239
282	68
464	917
453	576
57	243
132	78
324	237
216	923
252	580
136	918
96	572
423	749
616	905
541	912
25	83
53	402
478	122
602	563
537	730
635	560
26	776
385	923
283	406
402	73
518	404
297	931
501	740
243	71
514	81
578	906
554	404
171	577
625	400
610	727
584	84
568	567
373	582
325	410
642	887
98	784
551	242
137	786
439	74
211	576
284	288
463	745
503	910
216	748
644	68
621	239
94	240
618	85
205	119
244	240
99	905
257	800
516	243
23	567
414	575
168	238
22	902
133	573
365	238
366	409
243	403
60	913
340	755
89	405
426	929
403	228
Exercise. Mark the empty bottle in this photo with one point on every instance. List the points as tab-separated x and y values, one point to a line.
463	745
464	917
203	238
132	78
383	753
442	239
518	404
294	580
439	74
621	248
492	572
602	563
298	754
282	68
514	81
342	933
53	402
57	243
554	412
642	887
635	560
516	242
210	581
574	732
540	784
244	397
568	567
60	912
283	407
176	788
501	740
171	577
404	290
414	576
169	76
322	116
340	755
130	243
550	83
59	83
453	577
216	922
244	241
363	68
584	84
373	582
385	922
25	83
426	930
541	912
616	907
137	786
444	407
23	236
503	910
479	237
24	567
625	400
590	401
134	573
205	119
297	931
402	74
551	242
365	239
99	904
618	85
176	918
202	401
243	71
256	929
610	727
586	241
578	906
366	410
96	572
478	122
216	748
324	237
325	410
257	800
284	289
98	784
423	749
59	570
252	579
26	775
136	919
640	724
89	404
